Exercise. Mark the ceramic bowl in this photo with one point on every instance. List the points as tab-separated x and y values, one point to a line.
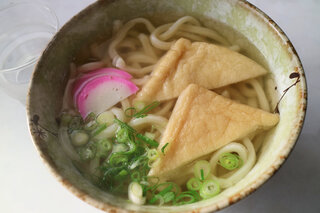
51	74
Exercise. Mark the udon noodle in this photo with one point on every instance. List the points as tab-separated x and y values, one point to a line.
136	46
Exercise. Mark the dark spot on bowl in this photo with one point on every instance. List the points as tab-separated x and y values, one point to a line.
294	75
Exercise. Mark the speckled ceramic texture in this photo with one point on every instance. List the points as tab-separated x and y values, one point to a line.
50	78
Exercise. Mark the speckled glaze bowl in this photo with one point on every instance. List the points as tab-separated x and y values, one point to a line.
50	78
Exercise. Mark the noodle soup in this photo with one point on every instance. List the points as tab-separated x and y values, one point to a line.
128	96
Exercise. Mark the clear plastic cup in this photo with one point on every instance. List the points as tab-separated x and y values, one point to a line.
25	30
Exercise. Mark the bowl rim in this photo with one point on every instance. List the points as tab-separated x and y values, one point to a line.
259	14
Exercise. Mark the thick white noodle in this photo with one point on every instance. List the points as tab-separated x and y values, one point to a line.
109	132
263	101
66	145
140	57
119	113
147	47
271	92
158	122
246	91
90	66
253	102
231	147
125	104
165	108
206	32
237	175
121	34
141	81
93	167
236	95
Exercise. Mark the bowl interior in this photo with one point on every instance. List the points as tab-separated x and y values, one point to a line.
238	21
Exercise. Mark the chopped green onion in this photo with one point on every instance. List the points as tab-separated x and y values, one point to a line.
90	117
122	174
169	196
149	141
132	147
135	176
79	138
229	161
103	147
135	193
122	135
156	198
166	187
136	163
202	174
194	184
146	109
202	169
153	154
119	147
117	159
91	125
186	197
129	112
106	117
75	124
88	152
98	130
65	119
163	148
209	189
124	125
150	135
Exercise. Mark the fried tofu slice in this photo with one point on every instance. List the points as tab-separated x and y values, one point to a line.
202	122
208	65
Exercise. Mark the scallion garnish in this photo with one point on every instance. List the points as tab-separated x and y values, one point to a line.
117	159
103	147
122	135
88	152
202	174
124	125
209	189
147	140
130	112
153	154
135	176
229	161
156	198
163	148
65	119
135	193
128	156
194	184
79	138
169	196
75	124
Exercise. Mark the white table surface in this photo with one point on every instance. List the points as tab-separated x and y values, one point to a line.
27	186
